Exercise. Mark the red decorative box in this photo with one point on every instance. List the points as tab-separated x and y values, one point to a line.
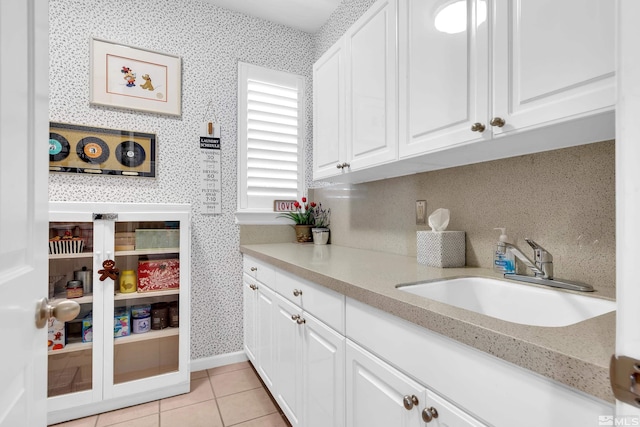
158	275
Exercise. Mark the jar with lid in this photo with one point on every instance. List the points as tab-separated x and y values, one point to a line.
128	281
74	289
159	315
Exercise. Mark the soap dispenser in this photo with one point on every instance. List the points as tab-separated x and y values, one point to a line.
503	259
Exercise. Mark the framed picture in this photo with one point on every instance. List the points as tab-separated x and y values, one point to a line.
134	78
99	151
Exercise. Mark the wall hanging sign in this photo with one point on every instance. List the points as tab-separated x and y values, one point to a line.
134	78
284	205
98	151
210	171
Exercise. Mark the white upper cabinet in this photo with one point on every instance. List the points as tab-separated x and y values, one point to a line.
370	46
329	114
473	70
552	60
443	73
355	96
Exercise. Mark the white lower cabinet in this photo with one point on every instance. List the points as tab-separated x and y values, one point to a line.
299	357
380	395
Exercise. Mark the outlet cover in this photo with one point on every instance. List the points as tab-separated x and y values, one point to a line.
421	212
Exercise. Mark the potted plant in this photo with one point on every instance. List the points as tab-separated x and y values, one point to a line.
303	218
321	220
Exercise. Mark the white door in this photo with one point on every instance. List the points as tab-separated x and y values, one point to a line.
443	74
264	338
551	60
329	113
376	393
370	49
24	126
288	358
627	189
323	353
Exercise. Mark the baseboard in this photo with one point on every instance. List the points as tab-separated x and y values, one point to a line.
219	360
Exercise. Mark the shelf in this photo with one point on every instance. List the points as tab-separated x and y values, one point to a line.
137	295
157	251
85	299
151	335
69	256
70	348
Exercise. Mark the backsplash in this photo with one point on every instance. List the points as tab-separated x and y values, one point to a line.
562	199
210	40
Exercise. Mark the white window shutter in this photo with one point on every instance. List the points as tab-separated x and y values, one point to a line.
270	132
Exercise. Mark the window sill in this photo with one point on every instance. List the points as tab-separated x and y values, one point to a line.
261	218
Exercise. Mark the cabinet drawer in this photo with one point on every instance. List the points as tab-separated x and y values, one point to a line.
260	270
323	303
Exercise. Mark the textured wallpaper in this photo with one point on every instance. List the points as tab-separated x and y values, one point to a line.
210	41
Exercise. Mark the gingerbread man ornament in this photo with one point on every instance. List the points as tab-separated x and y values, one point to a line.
109	270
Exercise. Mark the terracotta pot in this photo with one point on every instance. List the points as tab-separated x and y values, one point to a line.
303	233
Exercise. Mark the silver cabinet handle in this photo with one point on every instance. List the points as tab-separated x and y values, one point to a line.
300	321
410	401
297	292
477	127
254	268
497	121
295	316
429	414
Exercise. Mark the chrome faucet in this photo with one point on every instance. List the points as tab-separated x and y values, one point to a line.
542	267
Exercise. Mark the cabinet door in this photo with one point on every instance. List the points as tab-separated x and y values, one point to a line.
376	393
372	87
552	60
249	296
265	334
443	74
288	359
323	375
74	357
329	113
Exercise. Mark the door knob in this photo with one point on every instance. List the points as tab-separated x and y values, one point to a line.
497	121
478	127
63	311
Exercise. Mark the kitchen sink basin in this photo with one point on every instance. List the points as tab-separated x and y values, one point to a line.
513	302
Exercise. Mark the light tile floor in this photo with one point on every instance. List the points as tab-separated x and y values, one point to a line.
230	395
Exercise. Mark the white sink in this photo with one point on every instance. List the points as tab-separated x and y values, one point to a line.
513	302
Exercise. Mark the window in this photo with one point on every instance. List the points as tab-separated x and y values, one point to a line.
270	135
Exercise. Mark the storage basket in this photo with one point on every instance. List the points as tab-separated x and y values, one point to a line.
66	246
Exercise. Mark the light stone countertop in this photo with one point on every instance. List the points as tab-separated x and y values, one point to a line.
576	355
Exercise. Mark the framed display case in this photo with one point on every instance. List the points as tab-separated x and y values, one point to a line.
128	266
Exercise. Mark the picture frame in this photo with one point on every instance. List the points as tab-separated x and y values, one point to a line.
93	150
135	78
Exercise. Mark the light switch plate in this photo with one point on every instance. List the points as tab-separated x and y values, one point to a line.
421	212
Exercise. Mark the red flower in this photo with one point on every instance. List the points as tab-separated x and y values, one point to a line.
296	204
313	204
304	200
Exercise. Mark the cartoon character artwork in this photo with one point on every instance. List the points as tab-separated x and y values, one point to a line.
109	270
129	76
147	82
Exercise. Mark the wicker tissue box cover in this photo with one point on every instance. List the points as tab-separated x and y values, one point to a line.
441	248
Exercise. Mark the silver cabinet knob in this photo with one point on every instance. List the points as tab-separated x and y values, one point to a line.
300	320
478	127
297	292
410	401
254	269
63	311
497	121
346	165
339	166
295	316
253	287
428	414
